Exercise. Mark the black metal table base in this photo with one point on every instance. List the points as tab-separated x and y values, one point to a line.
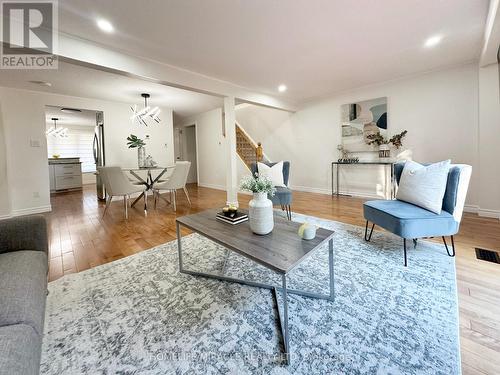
149	183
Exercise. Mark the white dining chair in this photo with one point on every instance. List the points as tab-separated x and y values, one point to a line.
117	184
177	180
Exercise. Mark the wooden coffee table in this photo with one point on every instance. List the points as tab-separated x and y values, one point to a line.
280	251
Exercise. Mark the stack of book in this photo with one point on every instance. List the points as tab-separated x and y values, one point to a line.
238	218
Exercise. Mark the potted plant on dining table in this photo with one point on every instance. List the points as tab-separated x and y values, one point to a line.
135	142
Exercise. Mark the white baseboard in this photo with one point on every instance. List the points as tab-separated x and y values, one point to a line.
3	217
489	213
471	208
310	189
483	212
357	194
365	195
212	186
31	211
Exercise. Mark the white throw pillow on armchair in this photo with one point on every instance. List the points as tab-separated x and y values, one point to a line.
274	173
424	186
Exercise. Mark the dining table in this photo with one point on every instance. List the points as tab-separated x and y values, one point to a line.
149	181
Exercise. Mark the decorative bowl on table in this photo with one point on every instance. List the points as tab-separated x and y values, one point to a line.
230	211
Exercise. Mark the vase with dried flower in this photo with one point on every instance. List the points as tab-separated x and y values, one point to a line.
384	143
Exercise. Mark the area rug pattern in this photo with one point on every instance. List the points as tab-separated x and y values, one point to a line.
139	315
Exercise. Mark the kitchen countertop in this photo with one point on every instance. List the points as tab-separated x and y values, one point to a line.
64	161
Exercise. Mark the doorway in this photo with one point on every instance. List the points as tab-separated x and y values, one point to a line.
187	150
74	147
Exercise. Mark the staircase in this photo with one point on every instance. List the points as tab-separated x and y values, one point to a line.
245	147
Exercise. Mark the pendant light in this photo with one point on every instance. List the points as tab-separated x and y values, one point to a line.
55	131
147	114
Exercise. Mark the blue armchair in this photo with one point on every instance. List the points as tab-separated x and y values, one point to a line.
412	222
283	195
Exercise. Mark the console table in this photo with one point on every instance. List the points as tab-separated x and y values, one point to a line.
384	163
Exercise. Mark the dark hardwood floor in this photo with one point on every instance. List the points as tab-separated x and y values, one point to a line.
80	239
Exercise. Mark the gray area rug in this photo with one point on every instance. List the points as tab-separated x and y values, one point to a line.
139	315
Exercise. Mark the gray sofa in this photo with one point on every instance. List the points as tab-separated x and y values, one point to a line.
23	290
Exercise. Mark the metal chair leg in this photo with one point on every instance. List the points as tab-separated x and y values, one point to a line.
289	212
146	203
174	199
108	202
125	206
366	231
452	246
404	247
187	195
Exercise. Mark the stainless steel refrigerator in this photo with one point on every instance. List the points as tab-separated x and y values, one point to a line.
99	158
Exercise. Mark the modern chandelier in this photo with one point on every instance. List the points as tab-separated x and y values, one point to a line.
147	114
56	132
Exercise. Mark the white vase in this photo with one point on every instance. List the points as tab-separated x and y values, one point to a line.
260	214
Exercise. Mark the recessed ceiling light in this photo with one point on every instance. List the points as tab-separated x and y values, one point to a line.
41	83
282	88
105	25
433	40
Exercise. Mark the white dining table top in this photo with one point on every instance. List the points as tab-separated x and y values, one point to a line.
148	168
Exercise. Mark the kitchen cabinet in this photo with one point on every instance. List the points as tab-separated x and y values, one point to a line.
65	173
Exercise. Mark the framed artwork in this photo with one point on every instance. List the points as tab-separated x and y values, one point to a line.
361	119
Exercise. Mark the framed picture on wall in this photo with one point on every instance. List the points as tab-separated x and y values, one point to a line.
360	119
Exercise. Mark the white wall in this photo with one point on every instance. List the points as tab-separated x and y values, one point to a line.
23	116
189	152
4	186
185	146
211	161
439	110
489	142
453	113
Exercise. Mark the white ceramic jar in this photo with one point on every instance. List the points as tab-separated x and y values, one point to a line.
384	151
141	156
260	214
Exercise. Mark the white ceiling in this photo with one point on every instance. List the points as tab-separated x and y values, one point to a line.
75	80
83	118
315	47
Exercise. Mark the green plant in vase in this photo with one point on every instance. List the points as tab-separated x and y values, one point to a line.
258	184
135	142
